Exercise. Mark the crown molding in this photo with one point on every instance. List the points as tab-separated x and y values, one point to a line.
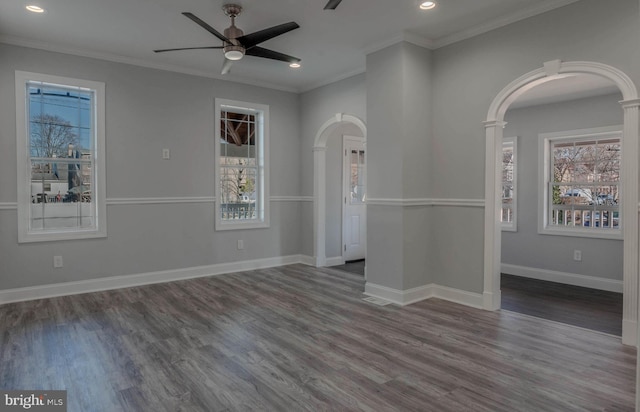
539	8
333	79
57	48
399	38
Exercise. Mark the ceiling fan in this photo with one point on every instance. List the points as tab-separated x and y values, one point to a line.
332	4
236	44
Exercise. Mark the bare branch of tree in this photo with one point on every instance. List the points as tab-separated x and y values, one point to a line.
51	135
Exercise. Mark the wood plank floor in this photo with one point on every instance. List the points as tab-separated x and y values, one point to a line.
298	338
356	267
588	308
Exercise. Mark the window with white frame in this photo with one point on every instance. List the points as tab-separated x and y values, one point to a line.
581	182
241	164
509	183
60	140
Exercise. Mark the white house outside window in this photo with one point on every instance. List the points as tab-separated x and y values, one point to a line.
241	164
582	182
60	140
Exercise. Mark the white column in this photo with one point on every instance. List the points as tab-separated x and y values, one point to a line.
492	227
319	206
630	209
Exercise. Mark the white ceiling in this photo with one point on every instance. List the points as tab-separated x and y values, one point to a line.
331	44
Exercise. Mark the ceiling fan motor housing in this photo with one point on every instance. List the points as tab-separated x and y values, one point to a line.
233	50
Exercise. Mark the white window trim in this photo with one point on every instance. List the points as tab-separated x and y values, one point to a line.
263	166
513	225
24	168
544	169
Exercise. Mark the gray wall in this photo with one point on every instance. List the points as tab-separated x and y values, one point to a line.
600	257
147	110
468	75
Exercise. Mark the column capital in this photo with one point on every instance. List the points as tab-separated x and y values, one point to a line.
630	104
494	123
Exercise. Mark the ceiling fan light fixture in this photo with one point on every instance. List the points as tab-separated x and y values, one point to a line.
234	52
35	9
427	5
295	65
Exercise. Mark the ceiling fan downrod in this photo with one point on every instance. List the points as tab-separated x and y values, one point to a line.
233	50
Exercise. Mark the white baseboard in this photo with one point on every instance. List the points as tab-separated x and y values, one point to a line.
563	277
126	281
629	332
307	260
335	261
409	296
399	297
463	297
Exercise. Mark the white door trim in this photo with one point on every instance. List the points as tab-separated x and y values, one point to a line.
320	180
494	132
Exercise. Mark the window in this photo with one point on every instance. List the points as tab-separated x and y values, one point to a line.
241	163
60	140
509	183
581	183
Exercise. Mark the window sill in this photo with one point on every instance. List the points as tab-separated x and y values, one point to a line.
59	235
613	234
240	226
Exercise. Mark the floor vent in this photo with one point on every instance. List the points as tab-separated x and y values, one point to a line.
376	301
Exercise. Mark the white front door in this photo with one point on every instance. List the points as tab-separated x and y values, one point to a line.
355	211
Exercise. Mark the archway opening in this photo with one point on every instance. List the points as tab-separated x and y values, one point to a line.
629	171
328	130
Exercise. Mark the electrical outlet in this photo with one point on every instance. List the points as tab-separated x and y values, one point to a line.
57	262
577	255
166	154
240	244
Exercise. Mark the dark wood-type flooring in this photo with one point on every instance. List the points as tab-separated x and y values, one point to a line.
588	308
299	338
356	266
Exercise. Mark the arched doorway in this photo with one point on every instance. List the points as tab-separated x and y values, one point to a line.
494	132
319	179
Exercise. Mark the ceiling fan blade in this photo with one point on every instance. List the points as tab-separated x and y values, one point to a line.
188	48
250	40
226	66
205	26
332	4
270	54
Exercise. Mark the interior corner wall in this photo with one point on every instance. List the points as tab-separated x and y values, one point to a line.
317	106
148	110
601	258
468	75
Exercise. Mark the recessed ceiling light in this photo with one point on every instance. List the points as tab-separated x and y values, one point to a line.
35	9
294	65
427	5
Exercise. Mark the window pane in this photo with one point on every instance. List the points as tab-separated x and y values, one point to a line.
238	193
563	163
61	142
357	177
586	173
60	199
